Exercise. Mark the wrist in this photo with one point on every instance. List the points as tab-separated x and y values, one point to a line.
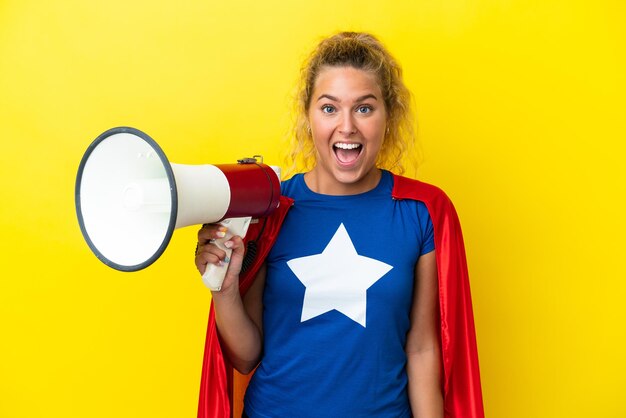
226	293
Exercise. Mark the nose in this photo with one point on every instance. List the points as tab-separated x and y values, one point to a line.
347	125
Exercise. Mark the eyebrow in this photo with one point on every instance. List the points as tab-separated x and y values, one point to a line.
358	99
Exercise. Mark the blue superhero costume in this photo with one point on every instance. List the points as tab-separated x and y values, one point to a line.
337	299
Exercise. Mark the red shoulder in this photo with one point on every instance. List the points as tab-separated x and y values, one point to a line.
407	188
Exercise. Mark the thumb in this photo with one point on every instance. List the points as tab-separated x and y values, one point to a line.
237	246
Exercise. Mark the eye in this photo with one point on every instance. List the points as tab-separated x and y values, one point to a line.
328	109
364	109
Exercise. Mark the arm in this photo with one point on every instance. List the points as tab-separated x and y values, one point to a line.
239	321
422	346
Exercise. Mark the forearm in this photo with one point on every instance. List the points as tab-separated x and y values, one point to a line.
424	374
241	338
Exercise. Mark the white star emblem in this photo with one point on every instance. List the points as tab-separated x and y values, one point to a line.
338	278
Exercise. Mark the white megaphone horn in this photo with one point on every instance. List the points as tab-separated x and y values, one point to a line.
130	198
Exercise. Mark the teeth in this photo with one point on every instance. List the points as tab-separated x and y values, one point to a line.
343	145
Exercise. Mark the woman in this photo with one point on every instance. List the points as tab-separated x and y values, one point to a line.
344	314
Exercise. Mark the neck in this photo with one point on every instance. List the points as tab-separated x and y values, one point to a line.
328	185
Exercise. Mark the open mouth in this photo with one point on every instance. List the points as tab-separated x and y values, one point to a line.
347	152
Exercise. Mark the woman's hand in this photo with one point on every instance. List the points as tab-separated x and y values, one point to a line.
207	252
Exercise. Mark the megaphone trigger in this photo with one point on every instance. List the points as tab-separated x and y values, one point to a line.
214	275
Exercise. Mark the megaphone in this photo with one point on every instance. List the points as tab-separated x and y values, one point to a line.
130	199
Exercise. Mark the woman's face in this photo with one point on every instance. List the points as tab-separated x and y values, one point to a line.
348	119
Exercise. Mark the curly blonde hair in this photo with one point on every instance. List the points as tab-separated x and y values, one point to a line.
364	52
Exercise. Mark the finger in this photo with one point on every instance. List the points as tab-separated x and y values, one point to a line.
204	247
205	258
210	249
236	244
210	232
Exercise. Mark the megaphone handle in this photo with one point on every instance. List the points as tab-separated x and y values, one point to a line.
213	276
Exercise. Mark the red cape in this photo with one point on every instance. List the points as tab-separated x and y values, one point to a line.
221	388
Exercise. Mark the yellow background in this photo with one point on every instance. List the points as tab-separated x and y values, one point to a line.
522	121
